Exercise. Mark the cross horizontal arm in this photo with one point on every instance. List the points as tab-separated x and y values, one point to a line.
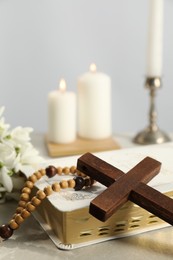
118	193
98	169
107	174
107	202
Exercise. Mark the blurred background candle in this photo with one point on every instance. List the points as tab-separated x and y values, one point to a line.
94	105
155	38
62	115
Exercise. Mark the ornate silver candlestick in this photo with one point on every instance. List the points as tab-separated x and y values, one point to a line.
152	134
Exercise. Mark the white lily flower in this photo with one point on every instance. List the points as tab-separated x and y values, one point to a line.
17	166
21	135
16	151
5	179
7	155
29	155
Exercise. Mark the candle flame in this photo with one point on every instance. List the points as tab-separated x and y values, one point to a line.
93	67
62	85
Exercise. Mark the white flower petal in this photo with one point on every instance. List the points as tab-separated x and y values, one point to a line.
29	155
5	179
21	134
16	150
7	155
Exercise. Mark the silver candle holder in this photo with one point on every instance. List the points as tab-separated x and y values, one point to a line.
152	134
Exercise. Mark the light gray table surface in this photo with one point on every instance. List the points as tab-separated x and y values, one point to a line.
31	242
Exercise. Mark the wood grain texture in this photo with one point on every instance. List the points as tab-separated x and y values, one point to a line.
80	146
153	201
141	194
98	169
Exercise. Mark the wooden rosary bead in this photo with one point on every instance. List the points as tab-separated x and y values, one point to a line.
26	190
71	183
92	182
22	203
25	207
80	183
83	175
56	187
29	184
40	195
73	169
59	170
32	178
38	175
19	219
66	170
87	182
48	190
35	201
64	184
24	196
42	171
13	224
6	231
30	207
14	216
25	213
19	209
51	171
79	173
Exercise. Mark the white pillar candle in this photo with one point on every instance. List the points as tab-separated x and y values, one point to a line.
61	115
155	38
94	105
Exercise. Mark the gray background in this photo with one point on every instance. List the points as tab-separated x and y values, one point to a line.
44	40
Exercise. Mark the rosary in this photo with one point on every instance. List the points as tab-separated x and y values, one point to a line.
26	205
120	188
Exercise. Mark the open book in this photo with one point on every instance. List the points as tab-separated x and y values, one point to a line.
65	217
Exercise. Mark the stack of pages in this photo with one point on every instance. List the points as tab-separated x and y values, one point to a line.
65	216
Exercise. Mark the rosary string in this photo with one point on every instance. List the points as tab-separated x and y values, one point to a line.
26	204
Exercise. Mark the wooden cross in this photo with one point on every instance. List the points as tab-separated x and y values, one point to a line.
122	187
